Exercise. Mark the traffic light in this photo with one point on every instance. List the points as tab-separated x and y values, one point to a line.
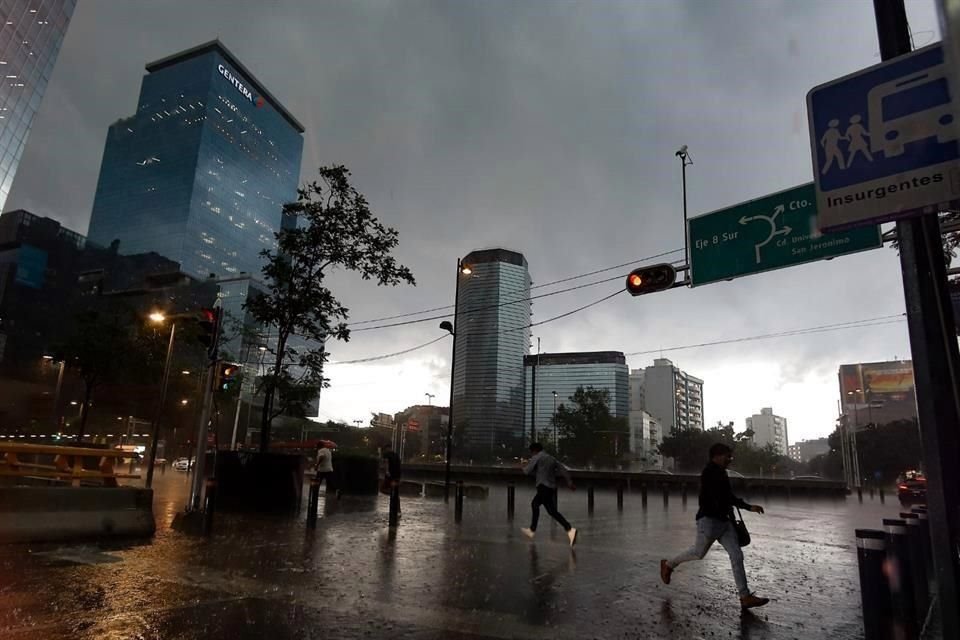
658	277
209	321
228	376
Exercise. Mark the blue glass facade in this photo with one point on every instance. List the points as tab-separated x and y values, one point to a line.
563	373
31	32
201	172
493	336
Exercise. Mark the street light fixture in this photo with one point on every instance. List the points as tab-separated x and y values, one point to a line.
446	325
158	317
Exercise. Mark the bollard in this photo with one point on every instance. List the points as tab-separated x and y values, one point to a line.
511	499
882	501
683	494
131	465
458	506
871	492
926	544
666	495
590	499
163	469
620	496
395	504
209	501
643	495
918	566
312	503
860	494
874	592
900	574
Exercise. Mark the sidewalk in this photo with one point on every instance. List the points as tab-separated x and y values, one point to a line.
431	578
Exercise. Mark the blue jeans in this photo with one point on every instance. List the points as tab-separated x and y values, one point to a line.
710	530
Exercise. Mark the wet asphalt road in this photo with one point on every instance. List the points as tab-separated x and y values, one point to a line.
431	578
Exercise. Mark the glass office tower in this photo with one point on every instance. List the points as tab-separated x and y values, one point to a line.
562	374
31	32
201	172
493	336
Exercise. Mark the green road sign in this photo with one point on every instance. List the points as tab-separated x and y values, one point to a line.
772	232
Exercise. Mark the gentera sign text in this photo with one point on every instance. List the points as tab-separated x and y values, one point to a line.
237	84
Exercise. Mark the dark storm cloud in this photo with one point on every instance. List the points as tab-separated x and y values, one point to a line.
548	127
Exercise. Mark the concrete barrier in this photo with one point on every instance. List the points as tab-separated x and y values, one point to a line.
410	489
61	514
476	491
433	489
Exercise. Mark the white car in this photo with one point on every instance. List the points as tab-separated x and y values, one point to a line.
182	464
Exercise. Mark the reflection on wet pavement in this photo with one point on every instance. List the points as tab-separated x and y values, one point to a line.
355	578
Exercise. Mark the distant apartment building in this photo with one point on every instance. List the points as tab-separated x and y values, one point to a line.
31	32
807	450
877	392
558	375
645	438
769	429
673	397
423	431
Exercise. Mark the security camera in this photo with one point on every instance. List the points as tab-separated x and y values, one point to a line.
682	152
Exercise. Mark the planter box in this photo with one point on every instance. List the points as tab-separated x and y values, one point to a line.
263	482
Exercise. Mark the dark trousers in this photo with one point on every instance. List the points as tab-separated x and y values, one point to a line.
547	497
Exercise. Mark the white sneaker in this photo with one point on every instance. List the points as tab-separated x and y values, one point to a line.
572	534
530	533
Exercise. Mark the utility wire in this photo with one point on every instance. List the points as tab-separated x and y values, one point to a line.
853	324
390	355
539	286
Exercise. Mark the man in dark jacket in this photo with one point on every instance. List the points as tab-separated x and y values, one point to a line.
715	523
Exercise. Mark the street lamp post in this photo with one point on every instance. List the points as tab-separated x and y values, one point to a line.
430	398
685	161
159	318
556	434
446	325
855	455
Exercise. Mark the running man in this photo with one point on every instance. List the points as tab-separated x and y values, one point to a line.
831	146
546	469
715	522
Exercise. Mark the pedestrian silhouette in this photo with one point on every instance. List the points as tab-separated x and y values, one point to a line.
857	134
831	146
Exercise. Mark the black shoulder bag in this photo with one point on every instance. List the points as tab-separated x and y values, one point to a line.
743	536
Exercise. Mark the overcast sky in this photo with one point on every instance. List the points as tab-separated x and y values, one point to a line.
545	127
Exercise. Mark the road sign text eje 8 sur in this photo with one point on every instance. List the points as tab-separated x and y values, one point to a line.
776	231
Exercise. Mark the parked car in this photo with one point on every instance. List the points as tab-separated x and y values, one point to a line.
183	464
912	487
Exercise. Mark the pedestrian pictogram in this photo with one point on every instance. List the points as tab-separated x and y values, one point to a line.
884	142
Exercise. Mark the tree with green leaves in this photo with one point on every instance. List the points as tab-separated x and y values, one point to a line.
588	432
334	230
108	342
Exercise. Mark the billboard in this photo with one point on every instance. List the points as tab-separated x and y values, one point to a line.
878	392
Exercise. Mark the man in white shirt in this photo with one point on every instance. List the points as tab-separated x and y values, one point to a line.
324	466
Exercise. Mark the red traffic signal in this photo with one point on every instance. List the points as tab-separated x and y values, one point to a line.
209	321
658	277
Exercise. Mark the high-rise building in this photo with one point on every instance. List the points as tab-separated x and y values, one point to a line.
645	438
493	336
558	375
672	396
807	450
769	429
877	392
31	32
201	171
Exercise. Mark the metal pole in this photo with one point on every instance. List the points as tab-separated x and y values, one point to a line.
936	361
533	399
155	431
556	433
453	373
684	157
56	395
201	445
236	420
